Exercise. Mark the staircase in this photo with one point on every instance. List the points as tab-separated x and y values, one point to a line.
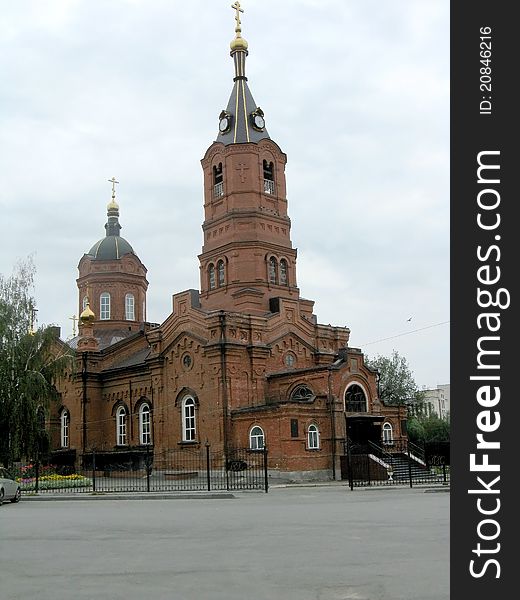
397	457
401	470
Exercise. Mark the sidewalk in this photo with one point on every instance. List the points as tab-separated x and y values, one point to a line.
222	495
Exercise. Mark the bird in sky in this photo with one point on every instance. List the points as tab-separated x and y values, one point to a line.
409	319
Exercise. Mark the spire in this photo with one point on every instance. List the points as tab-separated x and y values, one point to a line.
242	121
113	227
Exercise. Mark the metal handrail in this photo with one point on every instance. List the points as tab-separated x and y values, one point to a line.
218	190
268	186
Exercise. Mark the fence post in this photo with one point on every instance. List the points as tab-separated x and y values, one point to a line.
409	464
368	466
208	473
93	470
266	480
37	475
148	467
226	459
349	467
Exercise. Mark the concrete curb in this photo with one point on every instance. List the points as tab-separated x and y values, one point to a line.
128	496
344	484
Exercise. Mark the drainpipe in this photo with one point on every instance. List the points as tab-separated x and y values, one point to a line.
84	402
131	416
223	368
152	416
332	422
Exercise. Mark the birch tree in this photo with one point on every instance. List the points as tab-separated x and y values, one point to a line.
31	360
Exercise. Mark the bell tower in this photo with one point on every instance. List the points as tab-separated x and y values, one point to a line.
247	257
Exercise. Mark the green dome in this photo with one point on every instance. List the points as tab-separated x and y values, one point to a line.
111	247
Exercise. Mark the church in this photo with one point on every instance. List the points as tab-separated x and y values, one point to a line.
240	363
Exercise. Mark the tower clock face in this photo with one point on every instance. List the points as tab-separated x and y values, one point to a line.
259	121
223	124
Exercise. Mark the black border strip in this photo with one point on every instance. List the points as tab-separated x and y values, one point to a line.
483	128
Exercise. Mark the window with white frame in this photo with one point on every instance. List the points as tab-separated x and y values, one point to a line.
189	429
121	426
221	275
313	437
130	307
256	438
273	270
104	306
145	425
85	302
211	277
284	280
64	428
388	434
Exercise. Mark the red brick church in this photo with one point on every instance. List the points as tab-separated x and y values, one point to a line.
242	362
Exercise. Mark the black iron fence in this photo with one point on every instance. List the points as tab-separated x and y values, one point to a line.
397	463
200	469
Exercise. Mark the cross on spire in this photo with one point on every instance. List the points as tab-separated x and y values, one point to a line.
74	320
113	182
236	7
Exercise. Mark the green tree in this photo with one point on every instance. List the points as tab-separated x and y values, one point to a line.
396	383
422	430
30	362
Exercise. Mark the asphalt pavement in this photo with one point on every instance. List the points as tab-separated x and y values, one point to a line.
301	543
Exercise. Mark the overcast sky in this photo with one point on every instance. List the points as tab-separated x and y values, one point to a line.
356	92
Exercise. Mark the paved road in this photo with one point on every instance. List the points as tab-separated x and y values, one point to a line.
321	543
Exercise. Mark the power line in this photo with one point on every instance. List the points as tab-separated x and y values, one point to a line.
163	409
404	333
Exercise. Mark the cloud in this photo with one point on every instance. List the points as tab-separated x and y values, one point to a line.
355	93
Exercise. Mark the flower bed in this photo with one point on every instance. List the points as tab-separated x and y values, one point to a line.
54	482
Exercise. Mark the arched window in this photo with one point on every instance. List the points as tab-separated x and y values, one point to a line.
273	270
121	422
355	399
313	437
104	306
284	280
84	302
189	430
302	394
256	438
268	177
388	434
130	307
211	277
218	181
221	276
64	428
145	425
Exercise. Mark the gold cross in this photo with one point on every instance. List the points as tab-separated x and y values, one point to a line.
236	6
113	182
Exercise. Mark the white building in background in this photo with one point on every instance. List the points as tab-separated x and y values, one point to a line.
437	401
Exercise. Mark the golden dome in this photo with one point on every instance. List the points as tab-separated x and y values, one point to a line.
239	43
87	316
112	205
